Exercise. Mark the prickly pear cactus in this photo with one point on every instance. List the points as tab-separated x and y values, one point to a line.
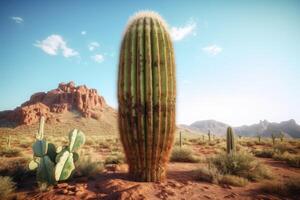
41	161
65	158
230	140
55	164
146	96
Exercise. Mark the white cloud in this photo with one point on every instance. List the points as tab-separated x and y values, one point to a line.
18	20
179	33
83	32
93	45
55	44
212	49
98	58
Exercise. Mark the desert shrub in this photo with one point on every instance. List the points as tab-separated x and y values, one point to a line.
85	166
291	159
208	174
234	180
287	187
241	164
10	152
183	154
104	145
294	161
115	158
7	187
284	147
264	153
17	169
44	187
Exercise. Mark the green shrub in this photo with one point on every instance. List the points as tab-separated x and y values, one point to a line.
7	187
183	154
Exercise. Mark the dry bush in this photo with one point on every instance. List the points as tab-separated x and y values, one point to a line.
85	166
115	158
288	187
208	174
183	154
10	152
234	180
7	187
241	164
17	169
264	153
284	147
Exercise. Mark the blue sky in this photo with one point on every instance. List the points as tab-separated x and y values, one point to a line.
237	61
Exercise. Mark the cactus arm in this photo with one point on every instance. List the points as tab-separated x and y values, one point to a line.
64	166
40	148
45	170
33	165
51	152
76	139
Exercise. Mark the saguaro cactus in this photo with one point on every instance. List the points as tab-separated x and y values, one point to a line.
147	96
230	140
208	135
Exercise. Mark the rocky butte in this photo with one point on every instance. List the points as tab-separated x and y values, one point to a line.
67	97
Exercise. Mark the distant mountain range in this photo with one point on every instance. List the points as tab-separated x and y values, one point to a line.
290	128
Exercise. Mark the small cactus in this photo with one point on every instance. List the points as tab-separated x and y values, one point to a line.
209	134
273	138
281	136
8	140
180	139
259	137
230	140
55	164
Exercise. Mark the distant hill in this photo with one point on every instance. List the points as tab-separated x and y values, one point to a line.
290	128
215	127
265	128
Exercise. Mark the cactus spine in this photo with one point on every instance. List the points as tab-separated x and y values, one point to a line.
146	96
230	140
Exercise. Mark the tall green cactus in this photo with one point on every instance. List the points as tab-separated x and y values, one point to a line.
147	96
230	140
53	164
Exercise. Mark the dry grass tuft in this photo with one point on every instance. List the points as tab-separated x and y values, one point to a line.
7	187
183	154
